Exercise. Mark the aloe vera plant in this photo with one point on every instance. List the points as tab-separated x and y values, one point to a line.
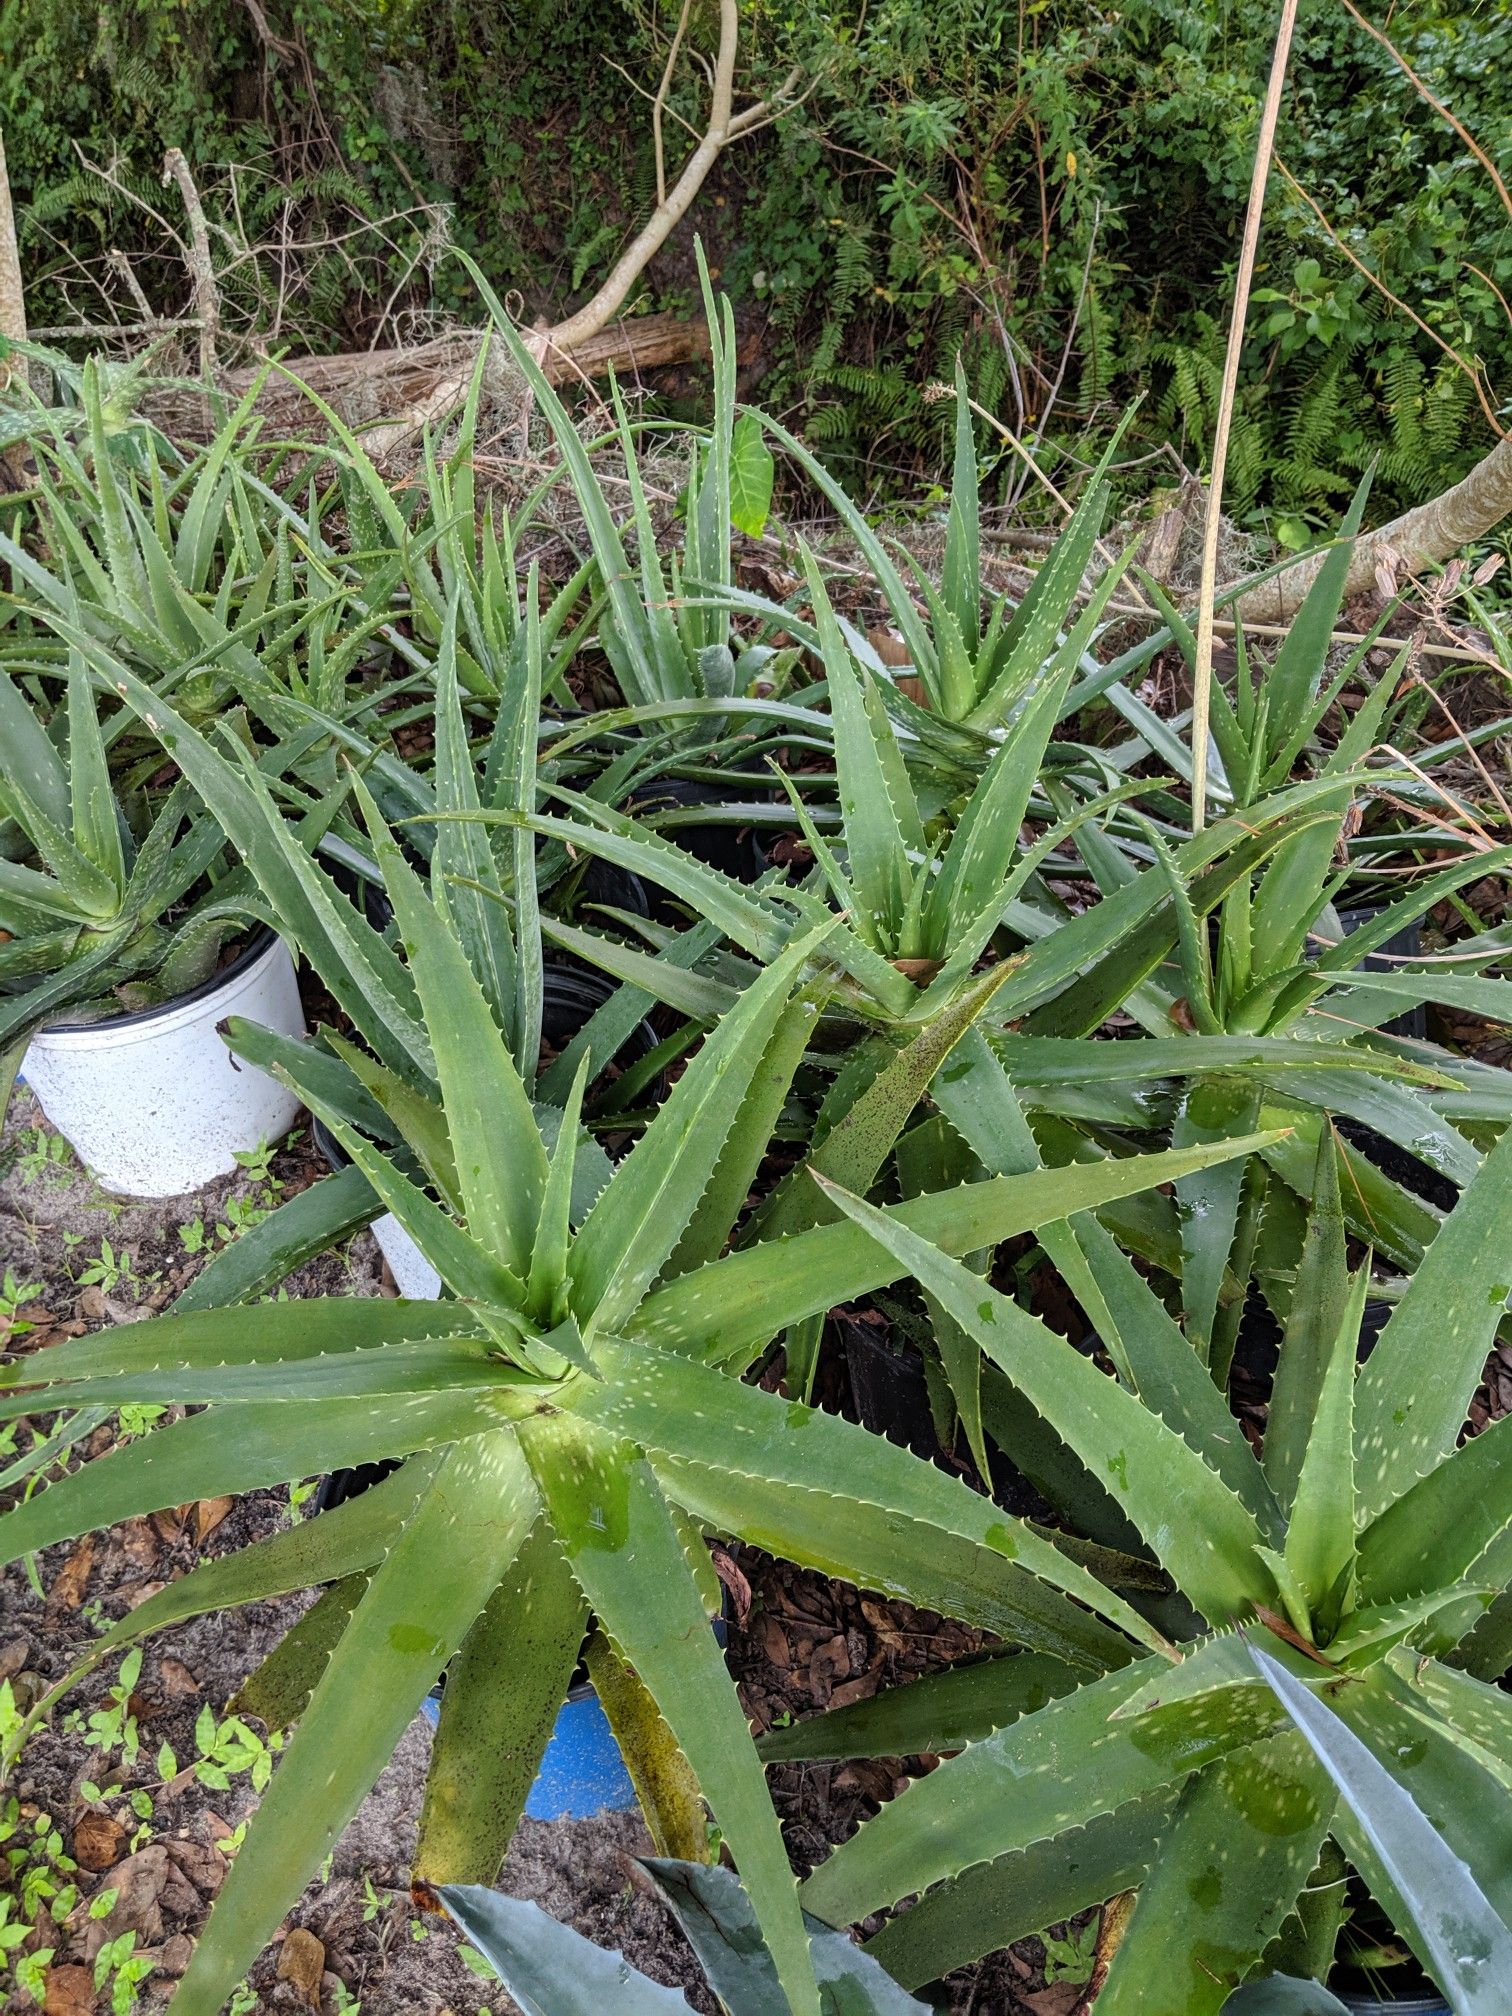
1275	967
1360	1554
663	647
569	1420
105	903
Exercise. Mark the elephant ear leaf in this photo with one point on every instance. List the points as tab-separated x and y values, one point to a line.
1465	1942
549	1969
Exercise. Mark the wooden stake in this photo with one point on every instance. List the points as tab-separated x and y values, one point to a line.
1264	148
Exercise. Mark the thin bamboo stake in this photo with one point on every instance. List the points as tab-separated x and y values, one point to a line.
1203	672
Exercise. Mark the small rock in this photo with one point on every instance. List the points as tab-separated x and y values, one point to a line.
301	1961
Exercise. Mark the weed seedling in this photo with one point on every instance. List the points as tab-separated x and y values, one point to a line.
107	1270
112	1726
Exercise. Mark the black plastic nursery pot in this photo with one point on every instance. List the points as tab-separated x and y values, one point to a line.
1417	2002
888	1386
735	851
1405	944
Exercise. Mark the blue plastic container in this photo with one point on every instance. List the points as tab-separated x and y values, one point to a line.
582	1772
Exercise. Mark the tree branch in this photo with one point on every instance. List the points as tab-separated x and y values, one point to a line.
724	125
1423	537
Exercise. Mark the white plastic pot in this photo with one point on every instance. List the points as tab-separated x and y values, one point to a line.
154	1104
414	1276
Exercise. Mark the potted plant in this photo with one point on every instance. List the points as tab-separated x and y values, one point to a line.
113	974
1339	1584
570	1425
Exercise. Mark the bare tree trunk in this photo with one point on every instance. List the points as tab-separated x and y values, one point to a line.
1423	537
12	303
12	319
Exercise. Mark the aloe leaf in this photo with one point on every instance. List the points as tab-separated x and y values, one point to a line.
624	1549
918	1560
656	979
1320	1538
422	1601
862	1134
670	1802
1376	1210
961	567
750	1136
326	1071
490	1738
1432	1535
1030	638
1209	1201
462	865
417	1366
96	823
636	1224
927	1717
1477	1716
1469	1948
976	1093
315	1221
719	1925
994	1903
340	1543
1061	1768
737	1304
881	820
34	771
546	1286
1293	677
1283	1995
213	1453
363	973
1198	1529
1416	1387
549	1969
501	1163
931	1158
283	1334
278	1691
1241	1844
469	1269
689	1412
901	605
1313	1321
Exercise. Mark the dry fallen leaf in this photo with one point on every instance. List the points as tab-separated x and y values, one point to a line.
67	1591
208	1514
175	1681
68	1991
98	1840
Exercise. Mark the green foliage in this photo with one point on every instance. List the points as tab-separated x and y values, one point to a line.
553	1971
1364	1606
961	181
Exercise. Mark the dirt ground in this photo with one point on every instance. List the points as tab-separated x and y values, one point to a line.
139	1856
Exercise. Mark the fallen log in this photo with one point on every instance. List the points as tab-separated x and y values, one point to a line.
391	396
